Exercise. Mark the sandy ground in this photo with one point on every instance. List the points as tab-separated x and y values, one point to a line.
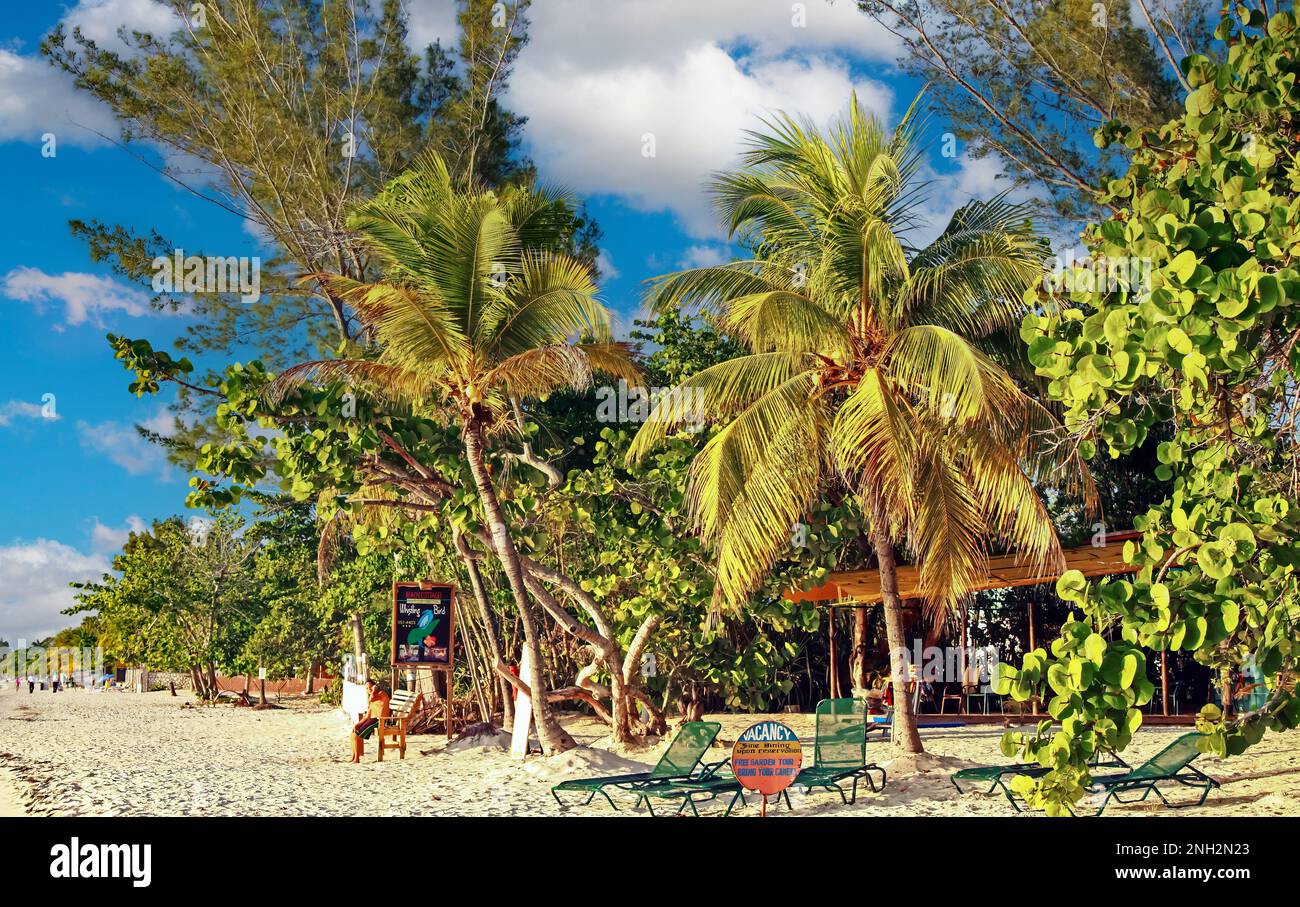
116	753
11	796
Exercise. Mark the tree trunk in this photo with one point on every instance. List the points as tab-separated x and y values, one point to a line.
858	660
553	738
603	639
489	630
905	732
311	679
358	640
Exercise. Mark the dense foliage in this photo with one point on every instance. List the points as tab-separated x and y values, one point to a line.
1208	348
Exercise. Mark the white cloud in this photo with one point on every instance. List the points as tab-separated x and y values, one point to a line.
608	35
705	255
108	540
429	21
595	79
100	20
122	444
85	297
21	409
34	579
605	264
198	527
36	97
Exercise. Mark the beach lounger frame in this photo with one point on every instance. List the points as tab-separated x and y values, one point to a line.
686	792
678	763
840	751
997	774
1173	763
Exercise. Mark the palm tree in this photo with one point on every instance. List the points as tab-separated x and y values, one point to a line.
479	308
873	365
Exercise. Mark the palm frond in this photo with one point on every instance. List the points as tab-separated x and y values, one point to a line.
377	378
541	371
552	298
786	321
874	443
948	375
717	393
947	531
755	478
614	360
972	278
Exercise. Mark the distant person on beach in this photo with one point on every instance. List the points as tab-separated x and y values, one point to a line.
31	684
379	700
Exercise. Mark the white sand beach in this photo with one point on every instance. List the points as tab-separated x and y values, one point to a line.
125	754
11	796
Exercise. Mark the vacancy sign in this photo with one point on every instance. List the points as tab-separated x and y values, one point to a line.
766	758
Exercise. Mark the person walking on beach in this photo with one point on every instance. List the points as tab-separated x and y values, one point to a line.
31	684
378	708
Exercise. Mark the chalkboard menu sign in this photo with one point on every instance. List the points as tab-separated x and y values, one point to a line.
423	624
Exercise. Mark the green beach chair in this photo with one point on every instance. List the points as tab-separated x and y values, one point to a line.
840	750
678	763
1173	763
705	789
686	791
996	774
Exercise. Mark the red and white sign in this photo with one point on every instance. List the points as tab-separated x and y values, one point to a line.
766	758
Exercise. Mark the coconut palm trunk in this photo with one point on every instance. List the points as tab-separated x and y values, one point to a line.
553	738
905	733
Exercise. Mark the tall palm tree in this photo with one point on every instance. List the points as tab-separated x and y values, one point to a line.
872	366
479	308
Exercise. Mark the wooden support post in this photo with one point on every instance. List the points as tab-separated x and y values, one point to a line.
1032	646
447	701
834	662
1164	682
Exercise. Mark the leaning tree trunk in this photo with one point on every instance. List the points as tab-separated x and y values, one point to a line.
905	732
553	738
490	630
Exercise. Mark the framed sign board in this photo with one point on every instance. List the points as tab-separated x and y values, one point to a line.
424	625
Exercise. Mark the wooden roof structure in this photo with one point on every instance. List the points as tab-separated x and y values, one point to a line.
862	587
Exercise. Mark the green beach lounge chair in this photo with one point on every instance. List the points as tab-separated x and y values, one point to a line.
678	763
705	789
1173	763
840	750
996	774
686	791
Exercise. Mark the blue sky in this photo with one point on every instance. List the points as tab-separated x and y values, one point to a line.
596	79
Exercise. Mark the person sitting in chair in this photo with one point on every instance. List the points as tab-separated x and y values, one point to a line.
379	699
